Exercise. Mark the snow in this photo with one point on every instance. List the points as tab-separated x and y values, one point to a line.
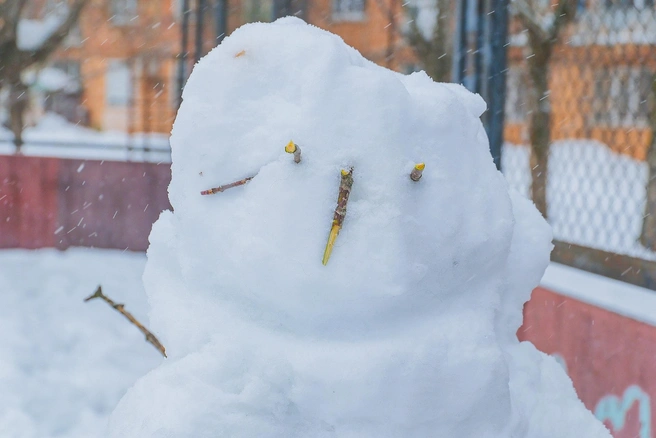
50	79
616	296
596	197
54	136
31	34
64	364
409	330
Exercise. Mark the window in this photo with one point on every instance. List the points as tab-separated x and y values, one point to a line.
516	84
123	12
72	69
621	96
348	10
118	83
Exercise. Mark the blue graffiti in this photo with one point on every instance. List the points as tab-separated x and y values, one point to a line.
561	361
613	409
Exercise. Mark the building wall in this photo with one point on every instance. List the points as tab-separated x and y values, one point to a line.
150	44
147	44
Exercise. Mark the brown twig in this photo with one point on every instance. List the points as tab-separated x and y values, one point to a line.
220	189
121	309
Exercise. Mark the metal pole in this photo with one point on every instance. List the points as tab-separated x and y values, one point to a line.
200	9
460	66
221	19
479	41
497	78
182	58
481	61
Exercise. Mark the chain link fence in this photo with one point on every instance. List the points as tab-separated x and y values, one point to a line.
601	106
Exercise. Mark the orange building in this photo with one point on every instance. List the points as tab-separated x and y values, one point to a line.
125	53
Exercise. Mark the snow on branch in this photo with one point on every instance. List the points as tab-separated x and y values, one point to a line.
530	19
10	12
55	38
545	28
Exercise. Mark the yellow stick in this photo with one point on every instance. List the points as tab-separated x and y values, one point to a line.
340	212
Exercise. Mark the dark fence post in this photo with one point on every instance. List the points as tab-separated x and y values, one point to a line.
221	19
184	43
481	61
200	12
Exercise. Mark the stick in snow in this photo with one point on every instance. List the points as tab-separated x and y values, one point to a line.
340	212
292	148
418	170
220	189
121	309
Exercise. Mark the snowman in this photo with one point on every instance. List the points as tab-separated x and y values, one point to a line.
365	279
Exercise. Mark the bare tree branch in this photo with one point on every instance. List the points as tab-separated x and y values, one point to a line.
530	20
434	51
10	11
563	15
56	38
121	309
417	41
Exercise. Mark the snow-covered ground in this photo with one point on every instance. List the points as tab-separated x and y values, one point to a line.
64	364
53	136
596	197
616	296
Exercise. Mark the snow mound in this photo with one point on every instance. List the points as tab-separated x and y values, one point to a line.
409	330
64	363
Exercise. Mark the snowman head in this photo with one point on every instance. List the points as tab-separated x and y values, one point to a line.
405	249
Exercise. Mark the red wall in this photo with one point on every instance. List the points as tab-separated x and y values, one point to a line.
610	358
54	202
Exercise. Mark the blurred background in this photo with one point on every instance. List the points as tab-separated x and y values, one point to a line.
89	90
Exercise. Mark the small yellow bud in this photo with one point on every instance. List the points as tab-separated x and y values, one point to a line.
290	148
416	173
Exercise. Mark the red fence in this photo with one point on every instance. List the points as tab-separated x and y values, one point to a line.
610	358
54	202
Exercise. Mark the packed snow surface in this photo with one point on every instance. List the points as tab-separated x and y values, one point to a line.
64	364
54	136
409	331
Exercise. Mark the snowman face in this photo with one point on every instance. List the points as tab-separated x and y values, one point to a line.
404	247
342	200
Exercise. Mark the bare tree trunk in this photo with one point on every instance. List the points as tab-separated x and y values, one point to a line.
18	103
442	44
648	234
539	120
541	41
436	52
